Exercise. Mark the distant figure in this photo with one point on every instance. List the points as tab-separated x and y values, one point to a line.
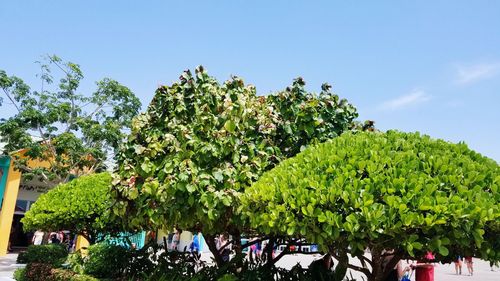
37	237
256	249
54	238
397	271
425	268
224	249
322	269
195	246
458	265
176	239
60	236
469	263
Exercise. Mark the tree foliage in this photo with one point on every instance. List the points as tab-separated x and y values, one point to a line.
81	205
382	191
72	132
201	143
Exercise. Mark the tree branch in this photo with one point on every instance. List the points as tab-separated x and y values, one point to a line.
12	100
363	270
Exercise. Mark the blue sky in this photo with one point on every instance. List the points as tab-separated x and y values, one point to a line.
428	66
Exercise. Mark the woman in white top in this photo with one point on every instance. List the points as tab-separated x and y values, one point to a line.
37	237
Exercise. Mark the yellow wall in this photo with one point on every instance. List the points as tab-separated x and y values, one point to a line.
9	203
8	207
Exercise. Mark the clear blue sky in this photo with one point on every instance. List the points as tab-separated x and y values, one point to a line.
431	66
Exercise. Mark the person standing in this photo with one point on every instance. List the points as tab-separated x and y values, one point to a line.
176	239
322	269
60	236
424	268
195	244
54	238
458	265
37	237
223	247
398	271
469	263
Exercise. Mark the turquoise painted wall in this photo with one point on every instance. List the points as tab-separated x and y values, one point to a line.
137	238
4	170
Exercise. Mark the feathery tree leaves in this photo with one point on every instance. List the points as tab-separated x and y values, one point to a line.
70	132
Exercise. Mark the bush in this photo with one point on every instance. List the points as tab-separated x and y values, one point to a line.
68	275
58	274
81	206
45	272
82	277
106	261
39	272
76	261
20	274
53	254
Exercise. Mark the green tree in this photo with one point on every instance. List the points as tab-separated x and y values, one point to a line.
381	191
200	144
72	132
81	205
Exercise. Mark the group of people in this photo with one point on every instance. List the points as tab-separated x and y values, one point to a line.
55	237
468	261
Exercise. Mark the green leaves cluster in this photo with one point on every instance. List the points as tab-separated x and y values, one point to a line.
71	132
201	143
391	190
81	205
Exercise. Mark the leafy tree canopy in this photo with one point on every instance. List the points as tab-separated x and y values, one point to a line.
81	205
382	191
72	132
200	143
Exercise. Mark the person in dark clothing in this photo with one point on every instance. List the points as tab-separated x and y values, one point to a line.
321	270
54	239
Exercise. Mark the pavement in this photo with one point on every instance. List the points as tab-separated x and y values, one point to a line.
442	272
8	266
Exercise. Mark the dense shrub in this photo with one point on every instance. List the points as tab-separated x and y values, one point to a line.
81	206
20	274
38	272
75	261
68	275
59	274
106	261
53	254
375	191
249	273
45	272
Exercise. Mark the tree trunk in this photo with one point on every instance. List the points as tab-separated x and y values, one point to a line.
269	251
381	269
341	268
210	240
236	237
377	271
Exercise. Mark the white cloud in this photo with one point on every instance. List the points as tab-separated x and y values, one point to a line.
473	73
411	99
